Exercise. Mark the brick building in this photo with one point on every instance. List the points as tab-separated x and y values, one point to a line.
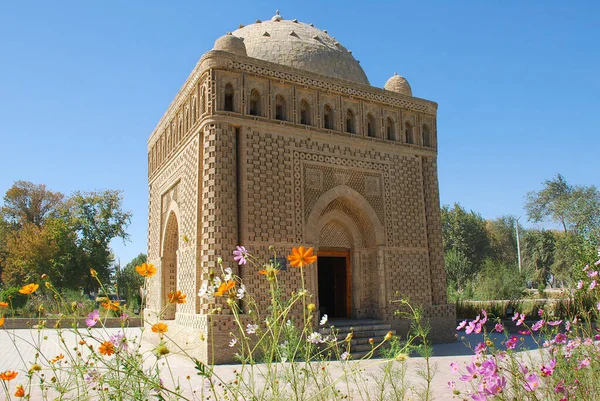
277	138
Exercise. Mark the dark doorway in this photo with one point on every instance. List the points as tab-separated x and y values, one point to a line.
333	286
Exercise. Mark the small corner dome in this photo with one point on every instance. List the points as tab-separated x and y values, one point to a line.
230	43
398	84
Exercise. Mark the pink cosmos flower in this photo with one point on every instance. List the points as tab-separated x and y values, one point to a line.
524	332
496	385
454	367
511	343
532	382
452	384
461	325
480	348
485	316
583	363
240	254
479	397
473	327
580	284
472	369
521	319
547	370
592	273
598	306
124	317
597	263
538	325
560	338
515	316
499	328
92	318
593	284
554	323
540	312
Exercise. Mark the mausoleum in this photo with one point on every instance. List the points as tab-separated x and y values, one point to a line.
277	138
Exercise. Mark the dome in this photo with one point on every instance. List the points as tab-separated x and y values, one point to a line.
302	46
399	84
231	44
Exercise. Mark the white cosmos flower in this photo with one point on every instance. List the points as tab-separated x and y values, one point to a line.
228	274
251	328
233	342
203	290
315	338
344	356
241	291
323	320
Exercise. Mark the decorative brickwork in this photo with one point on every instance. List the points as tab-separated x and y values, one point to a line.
255	153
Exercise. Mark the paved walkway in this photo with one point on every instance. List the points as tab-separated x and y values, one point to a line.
17	351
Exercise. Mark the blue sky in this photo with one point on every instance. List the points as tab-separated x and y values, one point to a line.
83	84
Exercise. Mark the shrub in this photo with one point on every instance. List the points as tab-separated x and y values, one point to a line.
14	297
498	281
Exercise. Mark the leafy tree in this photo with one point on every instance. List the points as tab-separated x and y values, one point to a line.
465	232
538	247
572	253
575	208
498	281
458	269
503	239
26	202
98	218
129	281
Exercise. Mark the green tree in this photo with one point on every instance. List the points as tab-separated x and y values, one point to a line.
503	239
129	281
98	218
465	232
458	269
575	208
498	281
538	249
26	202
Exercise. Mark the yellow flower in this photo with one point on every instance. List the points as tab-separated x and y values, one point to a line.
302	257
224	287
20	391
177	297
106	348
8	375
111	305
160	328
29	288
146	269
94	273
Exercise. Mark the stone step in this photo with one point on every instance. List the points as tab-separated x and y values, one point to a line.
363	336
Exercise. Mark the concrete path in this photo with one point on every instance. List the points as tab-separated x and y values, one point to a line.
17	352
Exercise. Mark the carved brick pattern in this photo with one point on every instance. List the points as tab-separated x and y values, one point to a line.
316	83
434	231
335	235
268	192
359	217
407	275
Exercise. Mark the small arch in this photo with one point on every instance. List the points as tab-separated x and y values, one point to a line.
305	117
194	109
408	133
345	192
254	103
390	129
350	124
280	108
328	117
203	99
169	262
371	129
228	101
426	133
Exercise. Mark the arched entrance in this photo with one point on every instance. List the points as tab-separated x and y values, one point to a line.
169	264
346	232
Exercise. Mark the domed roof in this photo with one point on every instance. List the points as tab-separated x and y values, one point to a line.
302	46
231	44
399	84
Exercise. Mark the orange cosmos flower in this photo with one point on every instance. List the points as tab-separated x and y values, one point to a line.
146	269
58	358
160	328
3	304
8	375
20	391
106	348
1	321
177	297
111	305
29	288
224	287
302	257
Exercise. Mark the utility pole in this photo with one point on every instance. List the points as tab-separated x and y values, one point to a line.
518	243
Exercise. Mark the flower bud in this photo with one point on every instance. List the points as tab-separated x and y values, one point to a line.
312	307
371	341
45	276
388	336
